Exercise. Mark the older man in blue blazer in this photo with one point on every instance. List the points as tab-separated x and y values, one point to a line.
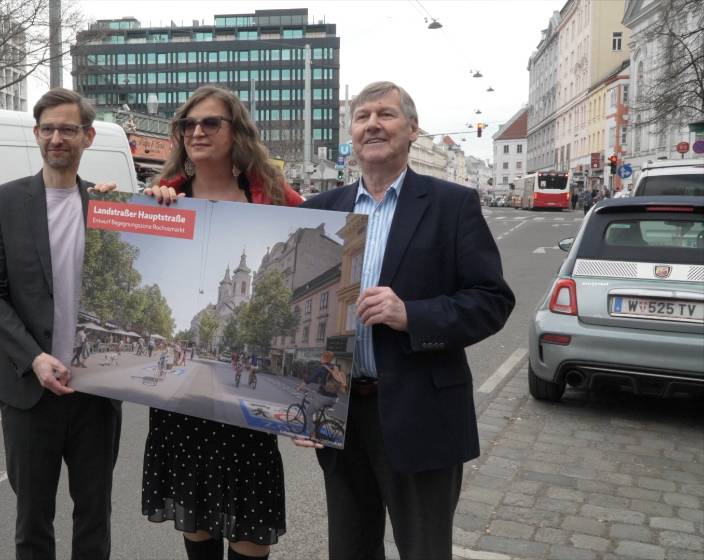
431	285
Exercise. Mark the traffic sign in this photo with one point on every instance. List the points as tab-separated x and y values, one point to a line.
682	147
625	171
340	162
698	147
344	149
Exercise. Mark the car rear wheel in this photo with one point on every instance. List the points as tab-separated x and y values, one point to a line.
544	390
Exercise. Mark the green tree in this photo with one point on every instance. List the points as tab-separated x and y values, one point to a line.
268	313
206	327
232	336
109	276
184	335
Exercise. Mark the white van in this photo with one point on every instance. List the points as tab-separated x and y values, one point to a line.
108	159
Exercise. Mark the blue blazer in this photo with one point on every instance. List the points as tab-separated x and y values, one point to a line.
442	261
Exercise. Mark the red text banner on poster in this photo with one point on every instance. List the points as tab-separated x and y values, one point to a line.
138	218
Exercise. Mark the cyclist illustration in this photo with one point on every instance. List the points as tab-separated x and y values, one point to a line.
331	383
252	377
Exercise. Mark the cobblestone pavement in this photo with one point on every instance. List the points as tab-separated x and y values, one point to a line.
608	476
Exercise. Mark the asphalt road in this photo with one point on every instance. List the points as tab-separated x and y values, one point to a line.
527	242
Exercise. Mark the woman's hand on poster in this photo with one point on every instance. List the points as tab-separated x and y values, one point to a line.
301	442
163	194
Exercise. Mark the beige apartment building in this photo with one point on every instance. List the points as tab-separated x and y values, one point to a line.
583	45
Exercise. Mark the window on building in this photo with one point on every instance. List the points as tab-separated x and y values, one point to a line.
506	148
320	337
519	165
306	333
625	94
504	180
612	137
356	268
519	149
308	306
616	41
350	318
505	165
624	135
324	300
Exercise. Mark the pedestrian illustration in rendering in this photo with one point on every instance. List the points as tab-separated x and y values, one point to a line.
431	285
217	154
44	422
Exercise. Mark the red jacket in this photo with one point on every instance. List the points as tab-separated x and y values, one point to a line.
256	188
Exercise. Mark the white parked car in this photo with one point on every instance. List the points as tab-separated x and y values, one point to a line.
677	177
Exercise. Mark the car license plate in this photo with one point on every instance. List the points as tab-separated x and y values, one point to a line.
665	309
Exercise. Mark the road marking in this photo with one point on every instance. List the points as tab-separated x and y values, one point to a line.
541	250
479	554
504	369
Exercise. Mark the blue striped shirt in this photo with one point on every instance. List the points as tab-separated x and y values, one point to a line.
381	214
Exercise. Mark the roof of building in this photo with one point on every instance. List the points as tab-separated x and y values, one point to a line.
516	128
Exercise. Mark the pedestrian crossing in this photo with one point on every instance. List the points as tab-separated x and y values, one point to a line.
534	218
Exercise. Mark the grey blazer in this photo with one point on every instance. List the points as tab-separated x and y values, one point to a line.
26	286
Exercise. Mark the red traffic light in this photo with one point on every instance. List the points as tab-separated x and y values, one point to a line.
479	129
613	160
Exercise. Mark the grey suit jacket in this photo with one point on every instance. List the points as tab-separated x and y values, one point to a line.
26	286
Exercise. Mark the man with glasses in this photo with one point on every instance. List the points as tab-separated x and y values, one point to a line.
42	238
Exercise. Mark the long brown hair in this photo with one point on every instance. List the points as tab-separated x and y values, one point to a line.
249	154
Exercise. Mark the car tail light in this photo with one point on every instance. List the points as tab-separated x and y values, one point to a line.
669	209
552	338
564	297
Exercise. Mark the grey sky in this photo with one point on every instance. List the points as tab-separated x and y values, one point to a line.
389	40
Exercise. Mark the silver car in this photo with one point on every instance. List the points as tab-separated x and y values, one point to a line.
627	306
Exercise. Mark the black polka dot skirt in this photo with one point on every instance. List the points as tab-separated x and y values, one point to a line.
204	475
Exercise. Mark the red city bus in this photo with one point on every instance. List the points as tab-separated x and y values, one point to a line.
546	189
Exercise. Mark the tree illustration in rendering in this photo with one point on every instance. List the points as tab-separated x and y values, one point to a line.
268	313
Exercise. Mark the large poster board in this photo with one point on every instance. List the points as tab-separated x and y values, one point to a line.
238	313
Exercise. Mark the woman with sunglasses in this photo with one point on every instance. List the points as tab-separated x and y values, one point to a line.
216	481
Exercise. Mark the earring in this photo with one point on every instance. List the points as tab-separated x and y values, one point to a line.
235	171
189	167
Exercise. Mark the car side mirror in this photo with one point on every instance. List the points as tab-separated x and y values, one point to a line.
566	244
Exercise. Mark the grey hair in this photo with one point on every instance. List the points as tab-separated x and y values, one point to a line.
379	89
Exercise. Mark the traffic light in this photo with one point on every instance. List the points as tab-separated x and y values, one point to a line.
612	164
479	130
340	175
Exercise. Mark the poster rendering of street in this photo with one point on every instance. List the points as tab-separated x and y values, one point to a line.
238	313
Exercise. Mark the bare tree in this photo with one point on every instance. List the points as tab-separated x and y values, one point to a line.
24	37
672	90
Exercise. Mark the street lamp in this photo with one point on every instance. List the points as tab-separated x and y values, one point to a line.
490	89
435	24
477	74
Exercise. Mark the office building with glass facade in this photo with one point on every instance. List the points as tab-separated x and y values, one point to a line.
258	56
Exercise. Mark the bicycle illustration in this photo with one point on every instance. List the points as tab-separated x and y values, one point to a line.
252	378
325	428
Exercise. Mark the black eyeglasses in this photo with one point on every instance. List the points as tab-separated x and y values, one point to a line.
209	125
66	131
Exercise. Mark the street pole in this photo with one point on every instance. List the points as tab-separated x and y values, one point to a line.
307	124
55	66
253	99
